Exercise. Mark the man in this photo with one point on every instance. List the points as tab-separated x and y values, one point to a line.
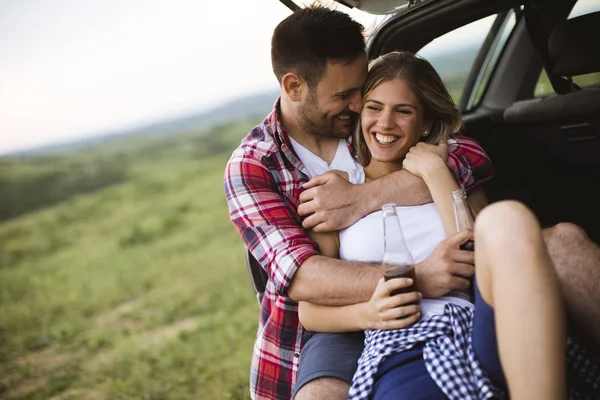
319	59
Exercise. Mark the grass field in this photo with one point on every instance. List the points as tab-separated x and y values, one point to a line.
135	291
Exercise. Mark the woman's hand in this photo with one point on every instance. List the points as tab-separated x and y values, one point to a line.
386	312
424	159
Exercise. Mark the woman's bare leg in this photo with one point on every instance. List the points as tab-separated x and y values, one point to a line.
516	277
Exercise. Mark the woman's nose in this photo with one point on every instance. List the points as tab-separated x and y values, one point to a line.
385	120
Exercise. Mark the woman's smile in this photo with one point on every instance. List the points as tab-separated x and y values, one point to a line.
383	138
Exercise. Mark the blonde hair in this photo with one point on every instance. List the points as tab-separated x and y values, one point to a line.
439	110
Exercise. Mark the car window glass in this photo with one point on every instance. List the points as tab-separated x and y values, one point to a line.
492	56
453	54
543	86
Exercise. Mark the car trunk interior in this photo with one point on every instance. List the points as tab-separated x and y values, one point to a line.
549	160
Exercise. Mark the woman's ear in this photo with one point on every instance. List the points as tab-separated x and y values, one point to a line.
427	136
426	131
293	85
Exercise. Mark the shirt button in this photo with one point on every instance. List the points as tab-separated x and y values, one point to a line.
296	355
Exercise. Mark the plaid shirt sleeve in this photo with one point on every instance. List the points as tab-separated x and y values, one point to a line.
265	218
469	162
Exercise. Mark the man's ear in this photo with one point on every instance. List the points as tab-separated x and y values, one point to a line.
293	85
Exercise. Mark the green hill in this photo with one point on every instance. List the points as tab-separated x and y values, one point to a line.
133	289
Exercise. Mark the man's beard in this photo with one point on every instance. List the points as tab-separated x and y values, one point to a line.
313	122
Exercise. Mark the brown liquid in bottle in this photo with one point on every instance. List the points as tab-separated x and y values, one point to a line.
401	271
468	245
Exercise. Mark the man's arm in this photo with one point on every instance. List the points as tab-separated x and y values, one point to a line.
273	234
331	203
332	282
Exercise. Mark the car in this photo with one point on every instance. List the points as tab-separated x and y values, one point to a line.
526	77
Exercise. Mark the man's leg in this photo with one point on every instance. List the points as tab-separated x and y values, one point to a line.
516	277
577	262
324	388
328	362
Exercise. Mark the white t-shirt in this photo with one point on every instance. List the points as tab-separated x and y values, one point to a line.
342	161
422	225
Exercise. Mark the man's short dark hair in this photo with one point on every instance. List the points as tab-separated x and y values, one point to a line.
306	40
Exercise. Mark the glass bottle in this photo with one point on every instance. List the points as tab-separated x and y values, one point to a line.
397	262
464	220
463	216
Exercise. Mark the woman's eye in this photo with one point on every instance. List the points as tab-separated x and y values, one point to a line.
373	108
403	111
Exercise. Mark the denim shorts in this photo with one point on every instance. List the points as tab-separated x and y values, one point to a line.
336	355
328	355
403	376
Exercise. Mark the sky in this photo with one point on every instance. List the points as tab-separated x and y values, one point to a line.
72	68
76	68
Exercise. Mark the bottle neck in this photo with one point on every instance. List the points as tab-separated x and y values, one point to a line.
396	251
462	211
459	194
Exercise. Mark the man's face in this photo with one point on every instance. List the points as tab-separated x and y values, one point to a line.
332	107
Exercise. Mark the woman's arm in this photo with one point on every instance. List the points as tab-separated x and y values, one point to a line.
319	318
425	161
329	243
441	183
477	200
382	311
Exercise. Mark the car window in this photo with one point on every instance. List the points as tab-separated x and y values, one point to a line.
543	86
453	54
491	58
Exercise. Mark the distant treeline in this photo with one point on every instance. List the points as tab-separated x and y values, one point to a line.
29	183
35	183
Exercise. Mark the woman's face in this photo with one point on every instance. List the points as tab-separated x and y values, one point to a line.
392	121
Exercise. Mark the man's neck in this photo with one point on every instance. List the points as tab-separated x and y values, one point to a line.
323	147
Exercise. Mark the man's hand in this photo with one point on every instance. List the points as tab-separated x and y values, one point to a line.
447	267
423	159
329	202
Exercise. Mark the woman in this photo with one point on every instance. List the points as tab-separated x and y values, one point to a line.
447	349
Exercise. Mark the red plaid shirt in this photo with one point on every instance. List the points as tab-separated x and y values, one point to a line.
263	182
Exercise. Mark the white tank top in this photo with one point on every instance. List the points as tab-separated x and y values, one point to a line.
423	231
